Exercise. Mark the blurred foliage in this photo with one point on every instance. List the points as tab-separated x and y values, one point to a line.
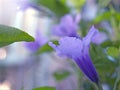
61	75
10	35
88	86
110	43
113	17
108	15
58	7
104	3
44	88
46	48
77	4
103	63
117	82
113	51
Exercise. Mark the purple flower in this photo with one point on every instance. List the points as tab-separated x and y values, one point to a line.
68	26
99	38
39	41
25	4
78	50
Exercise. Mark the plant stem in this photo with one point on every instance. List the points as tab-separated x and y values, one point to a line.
117	79
99	86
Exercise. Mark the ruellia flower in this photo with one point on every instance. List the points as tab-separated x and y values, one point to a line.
78	50
68	26
39	41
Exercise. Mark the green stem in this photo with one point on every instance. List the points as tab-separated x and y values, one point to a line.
115	85
99	86
117	79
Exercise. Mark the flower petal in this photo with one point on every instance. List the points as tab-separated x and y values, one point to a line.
66	27
77	18
99	38
88	38
68	46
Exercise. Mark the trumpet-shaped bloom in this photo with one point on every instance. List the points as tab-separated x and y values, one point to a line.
39	41
68	26
78	50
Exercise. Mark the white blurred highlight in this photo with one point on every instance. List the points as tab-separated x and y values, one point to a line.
5	86
3	54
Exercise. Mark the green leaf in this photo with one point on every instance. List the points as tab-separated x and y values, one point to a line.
78	4
102	17
46	48
111	43
108	15
113	51
102	62
104	3
10	35
61	74
56	6
117	81
44	88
